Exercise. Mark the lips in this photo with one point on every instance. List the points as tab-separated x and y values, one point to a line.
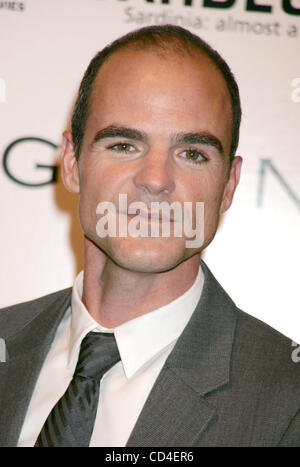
150	215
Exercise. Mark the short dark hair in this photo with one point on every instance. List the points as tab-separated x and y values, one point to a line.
165	37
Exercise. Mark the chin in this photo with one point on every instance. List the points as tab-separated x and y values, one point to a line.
146	255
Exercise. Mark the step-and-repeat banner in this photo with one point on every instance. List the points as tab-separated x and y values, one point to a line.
45	46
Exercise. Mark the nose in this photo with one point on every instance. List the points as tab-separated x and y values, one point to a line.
154	176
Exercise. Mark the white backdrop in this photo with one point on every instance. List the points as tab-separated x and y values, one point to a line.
46	45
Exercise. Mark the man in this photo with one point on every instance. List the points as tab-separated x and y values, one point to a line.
156	120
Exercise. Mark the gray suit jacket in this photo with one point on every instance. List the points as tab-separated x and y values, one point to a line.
229	381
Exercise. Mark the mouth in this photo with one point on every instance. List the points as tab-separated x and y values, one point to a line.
150	216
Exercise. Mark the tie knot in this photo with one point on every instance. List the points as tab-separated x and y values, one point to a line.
98	353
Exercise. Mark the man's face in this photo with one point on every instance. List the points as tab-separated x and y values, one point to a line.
158	129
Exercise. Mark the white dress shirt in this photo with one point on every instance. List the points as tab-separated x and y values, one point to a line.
144	344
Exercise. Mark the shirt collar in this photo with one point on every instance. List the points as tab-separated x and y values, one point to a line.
143	338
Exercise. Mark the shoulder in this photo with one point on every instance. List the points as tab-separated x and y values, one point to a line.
261	401
265	358
262	339
256	345
19	315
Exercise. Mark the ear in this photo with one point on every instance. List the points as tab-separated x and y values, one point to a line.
232	183
69	164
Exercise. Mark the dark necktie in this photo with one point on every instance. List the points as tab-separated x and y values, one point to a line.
71	421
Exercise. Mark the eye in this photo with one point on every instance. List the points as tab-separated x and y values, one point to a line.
122	147
194	156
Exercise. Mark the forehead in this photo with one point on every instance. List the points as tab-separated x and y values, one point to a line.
146	86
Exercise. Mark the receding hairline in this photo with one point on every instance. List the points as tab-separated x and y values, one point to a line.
166	49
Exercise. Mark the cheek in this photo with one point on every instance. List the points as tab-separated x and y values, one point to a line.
208	185
101	180
92	192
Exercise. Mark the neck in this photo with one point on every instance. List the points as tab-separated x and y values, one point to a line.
114	295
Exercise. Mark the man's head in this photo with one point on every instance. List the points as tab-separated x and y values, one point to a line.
166	40
157	126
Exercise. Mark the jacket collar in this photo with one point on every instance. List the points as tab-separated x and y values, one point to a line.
203	352
176	413
27	347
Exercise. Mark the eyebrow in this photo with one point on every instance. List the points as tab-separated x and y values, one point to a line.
200	138
119	131
113	131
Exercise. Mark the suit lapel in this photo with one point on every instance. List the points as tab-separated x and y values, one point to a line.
27	349
176	412
174	415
